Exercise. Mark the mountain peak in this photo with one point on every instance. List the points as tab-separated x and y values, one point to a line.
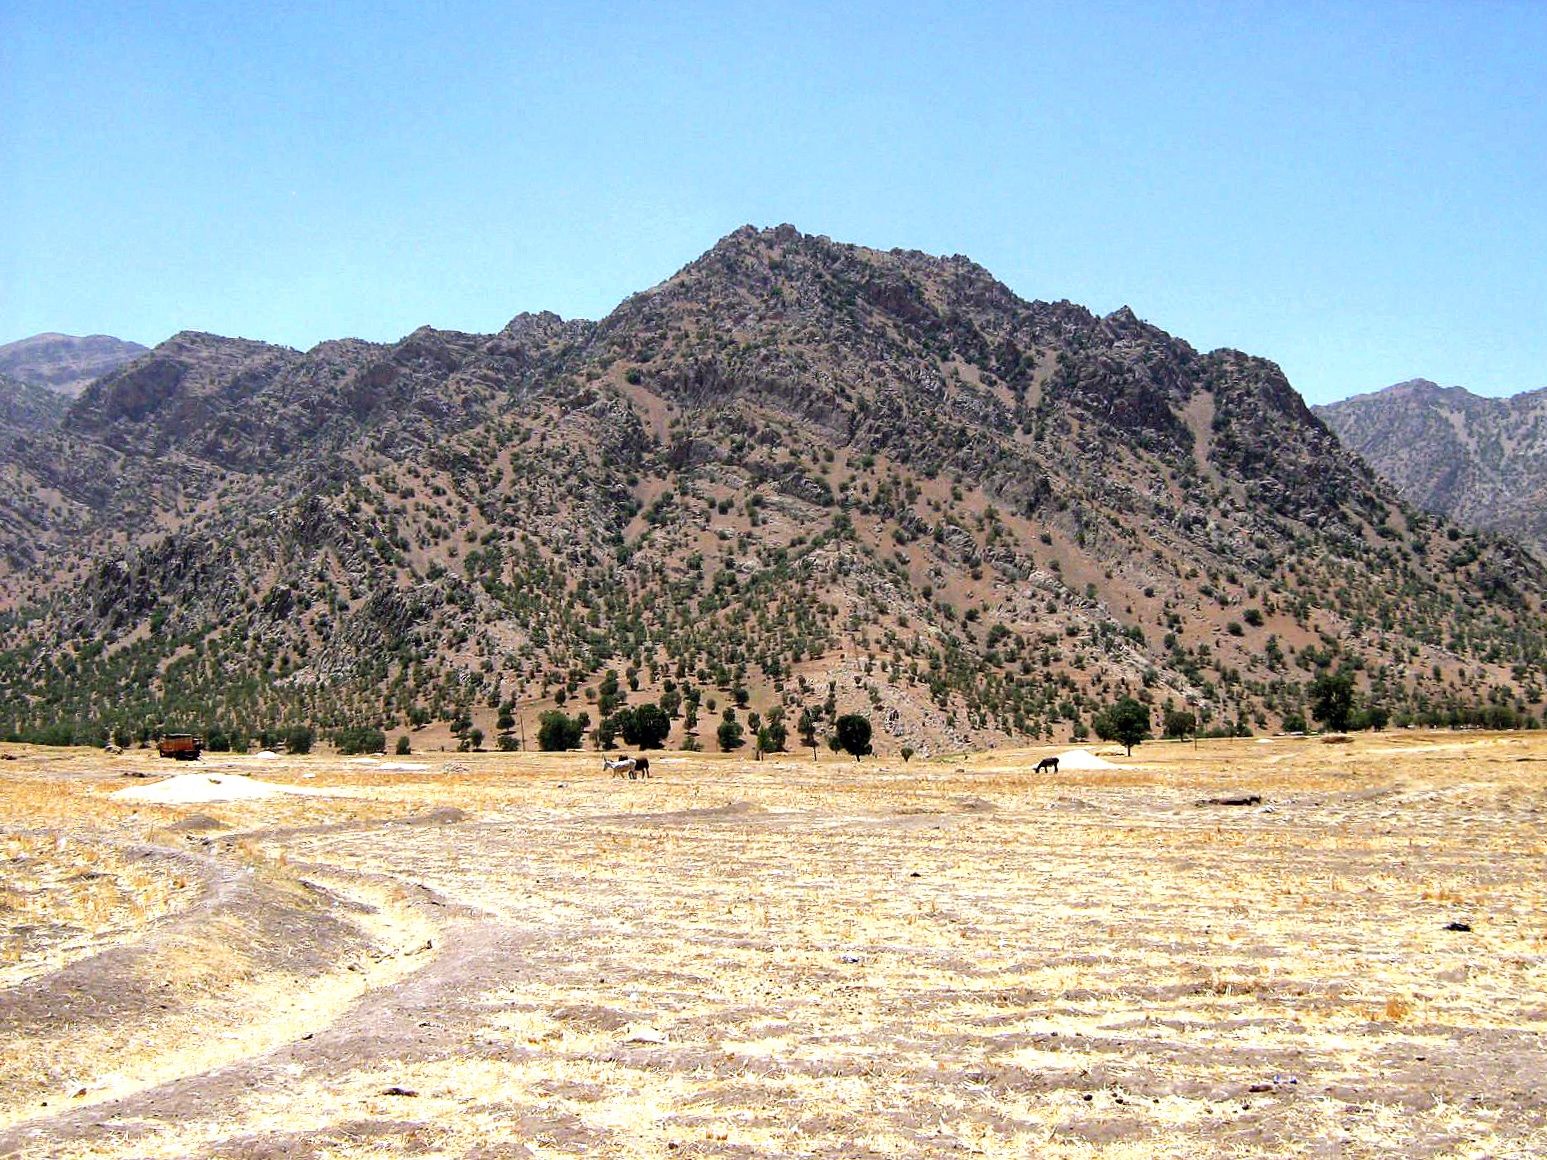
1478	460
792	454
63	362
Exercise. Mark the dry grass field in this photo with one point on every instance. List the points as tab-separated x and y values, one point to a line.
516	954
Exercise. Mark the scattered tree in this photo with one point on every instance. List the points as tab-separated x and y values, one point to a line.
852	732
807	727
557	730
360	739
729	735
1127	722
606	735
1332	699
776	732
645	726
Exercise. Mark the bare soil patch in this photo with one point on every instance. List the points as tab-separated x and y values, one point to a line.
518	955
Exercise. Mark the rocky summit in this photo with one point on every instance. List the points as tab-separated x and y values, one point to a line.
65	363
1482	462
798	479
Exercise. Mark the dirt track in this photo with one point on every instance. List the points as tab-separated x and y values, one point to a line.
519	955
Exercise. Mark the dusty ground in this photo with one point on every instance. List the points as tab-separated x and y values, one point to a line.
518	955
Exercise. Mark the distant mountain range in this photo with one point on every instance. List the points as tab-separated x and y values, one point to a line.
796	477
64	363
1480	461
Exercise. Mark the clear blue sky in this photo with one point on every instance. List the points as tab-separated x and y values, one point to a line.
1355	190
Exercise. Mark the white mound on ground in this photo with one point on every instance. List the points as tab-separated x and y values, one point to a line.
201	787
1082	759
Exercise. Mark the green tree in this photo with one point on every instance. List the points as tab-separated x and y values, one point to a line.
1127	722
360	739
557	730
299	738
806	726
645	726
777	732
608	696
403	747
1332	699
852	732
1180	723
729	736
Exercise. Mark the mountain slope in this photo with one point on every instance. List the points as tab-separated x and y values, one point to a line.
64	362
26	409
1481	462
797	475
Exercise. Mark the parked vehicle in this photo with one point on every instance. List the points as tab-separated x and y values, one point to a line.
182	746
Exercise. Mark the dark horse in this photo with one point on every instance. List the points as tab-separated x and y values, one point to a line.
642	766
1047	763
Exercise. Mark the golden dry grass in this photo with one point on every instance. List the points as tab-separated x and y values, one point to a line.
834	959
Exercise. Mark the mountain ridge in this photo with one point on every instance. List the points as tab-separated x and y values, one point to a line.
65	363
795	476
1481	461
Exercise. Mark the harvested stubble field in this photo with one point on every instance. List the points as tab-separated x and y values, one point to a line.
519	955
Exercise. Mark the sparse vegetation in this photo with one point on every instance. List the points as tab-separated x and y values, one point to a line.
829	932
580	550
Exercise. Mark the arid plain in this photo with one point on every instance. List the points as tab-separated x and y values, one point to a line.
516	954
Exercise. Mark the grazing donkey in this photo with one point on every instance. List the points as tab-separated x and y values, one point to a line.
1047	763
622	767
642	766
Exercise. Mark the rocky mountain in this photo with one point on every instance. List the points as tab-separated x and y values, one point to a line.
26	409
796	478
1482	462
63	362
